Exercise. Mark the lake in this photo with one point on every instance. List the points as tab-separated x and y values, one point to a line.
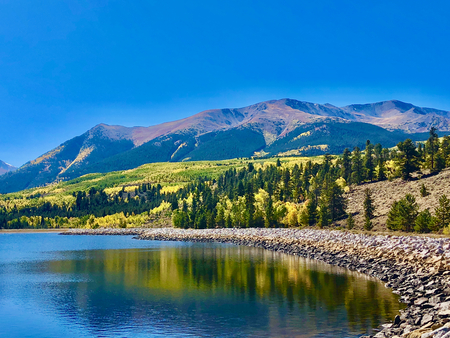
116	286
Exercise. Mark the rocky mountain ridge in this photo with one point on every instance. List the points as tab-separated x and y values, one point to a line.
276	127
5	167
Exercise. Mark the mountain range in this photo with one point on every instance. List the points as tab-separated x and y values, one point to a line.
277	127
5	167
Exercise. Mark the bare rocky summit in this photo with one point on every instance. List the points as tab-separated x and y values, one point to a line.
5	168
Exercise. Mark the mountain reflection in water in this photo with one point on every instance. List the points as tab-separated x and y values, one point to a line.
190	289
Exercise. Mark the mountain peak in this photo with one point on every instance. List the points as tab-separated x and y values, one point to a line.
5	167
273	127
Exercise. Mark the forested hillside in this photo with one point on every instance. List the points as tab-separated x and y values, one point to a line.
263	193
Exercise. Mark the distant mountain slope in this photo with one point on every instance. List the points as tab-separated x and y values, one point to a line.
395	114
5	167
273	127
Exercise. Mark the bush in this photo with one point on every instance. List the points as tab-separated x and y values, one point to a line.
350	221
423	191
368	225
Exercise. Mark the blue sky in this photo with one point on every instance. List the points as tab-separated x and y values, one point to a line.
66	66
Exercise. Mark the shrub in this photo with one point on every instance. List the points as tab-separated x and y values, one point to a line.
423	190
350	221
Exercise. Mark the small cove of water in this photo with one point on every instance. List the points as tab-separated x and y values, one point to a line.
115	286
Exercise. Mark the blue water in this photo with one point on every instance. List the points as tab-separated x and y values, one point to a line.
116	286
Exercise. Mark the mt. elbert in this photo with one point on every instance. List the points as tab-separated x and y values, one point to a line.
277	127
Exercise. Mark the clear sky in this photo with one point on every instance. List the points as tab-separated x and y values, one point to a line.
66	66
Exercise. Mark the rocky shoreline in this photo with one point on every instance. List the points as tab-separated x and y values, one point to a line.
416	268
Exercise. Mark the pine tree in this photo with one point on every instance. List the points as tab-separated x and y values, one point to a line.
403	214
442	213
346	169
269	219
350	221
407	159
250	206
432	147
368	225
381	174
333	198
220	218
445	150
424	221
369	208
324	215
311	208
369	166
423	191
357	166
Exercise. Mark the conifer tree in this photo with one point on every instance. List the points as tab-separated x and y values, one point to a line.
357	166
368	225
250	206
350	221
269	219
445	150
381	174
442	213
423	190
220	218
311	208
369	166
407	159
333	198
424	221
403	214
368	206
346	169
368	209
432	147
324	214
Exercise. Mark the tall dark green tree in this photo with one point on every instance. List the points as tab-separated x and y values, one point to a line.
324	214
407	159
269	221
403	214
311	208
369	166
432	148
250	206
357	166
369	209
368	206
346	169
333	198
442	213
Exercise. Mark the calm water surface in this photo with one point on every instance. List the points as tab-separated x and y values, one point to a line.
108	286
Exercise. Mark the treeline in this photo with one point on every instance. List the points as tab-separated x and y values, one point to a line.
258	195
95	203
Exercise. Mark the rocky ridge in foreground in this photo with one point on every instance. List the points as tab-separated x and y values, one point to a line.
415	267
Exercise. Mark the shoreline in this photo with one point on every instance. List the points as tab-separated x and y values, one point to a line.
29	231
416	268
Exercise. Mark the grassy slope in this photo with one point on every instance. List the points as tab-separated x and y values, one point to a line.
385	193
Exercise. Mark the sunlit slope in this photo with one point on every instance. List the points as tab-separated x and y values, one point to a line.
270	128
170	175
